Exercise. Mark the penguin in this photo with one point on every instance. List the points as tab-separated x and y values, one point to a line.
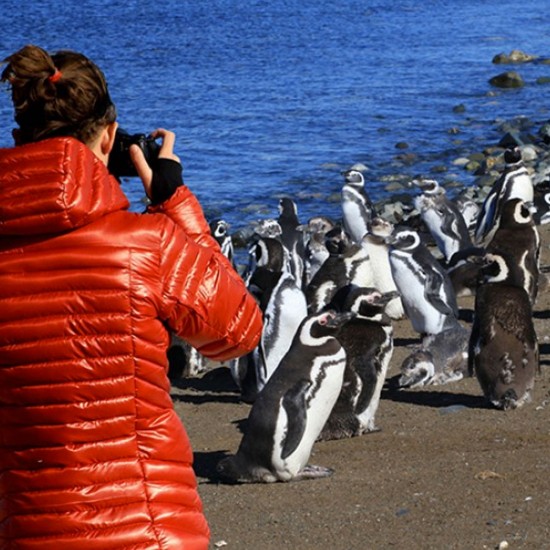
268	228
442	218
292	237
368	342
220	231
347	263
425	288
357	208
267	263
469	210
514	183
503	346
378	250
517	238
440	359
463	270
184	360
283	314
290	412
315	249
541	216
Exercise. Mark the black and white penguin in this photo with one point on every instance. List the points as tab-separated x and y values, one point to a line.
315	250
290	412
357	208
469	209
292	236
440	359
267	259
503	347
514	183
368	342
463	270
517	238
184	361
268	229
348	263
382	278
267	263
283	314
220	231
442	218
426	291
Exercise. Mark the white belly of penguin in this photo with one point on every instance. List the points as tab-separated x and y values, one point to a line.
327	376
423	316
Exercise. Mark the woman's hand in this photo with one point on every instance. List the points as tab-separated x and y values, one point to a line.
145	172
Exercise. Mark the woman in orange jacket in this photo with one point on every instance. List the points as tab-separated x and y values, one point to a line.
92	453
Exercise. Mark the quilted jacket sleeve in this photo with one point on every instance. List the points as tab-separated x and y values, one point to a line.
204	300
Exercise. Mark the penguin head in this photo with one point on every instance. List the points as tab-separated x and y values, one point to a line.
288	209
512	155
319	328
219	229
495	269
427	186
516	213
404	239
365	302
379	227
354	177
268	228
337	241
268	253
320	224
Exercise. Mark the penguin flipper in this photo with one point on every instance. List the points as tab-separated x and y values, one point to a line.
433	284
294	403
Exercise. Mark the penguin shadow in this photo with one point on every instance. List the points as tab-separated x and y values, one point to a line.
215	385
544	351
205	467
466	315
405	342
434	399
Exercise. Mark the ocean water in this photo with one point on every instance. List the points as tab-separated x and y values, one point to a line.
272	99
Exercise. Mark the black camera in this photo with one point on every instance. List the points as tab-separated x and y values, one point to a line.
120	163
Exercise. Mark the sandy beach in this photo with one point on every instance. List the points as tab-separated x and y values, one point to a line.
445	471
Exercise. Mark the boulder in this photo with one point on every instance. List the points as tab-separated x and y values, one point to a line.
515	56
509	79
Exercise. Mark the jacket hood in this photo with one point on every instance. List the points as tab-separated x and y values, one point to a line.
54	186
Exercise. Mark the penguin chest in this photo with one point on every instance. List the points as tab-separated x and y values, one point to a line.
302	416
355	215
282	318
410	279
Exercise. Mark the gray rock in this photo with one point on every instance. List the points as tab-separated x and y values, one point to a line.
515	56
509	79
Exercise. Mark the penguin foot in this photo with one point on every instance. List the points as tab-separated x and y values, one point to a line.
310	471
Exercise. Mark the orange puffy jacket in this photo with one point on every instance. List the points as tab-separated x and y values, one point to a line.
92	453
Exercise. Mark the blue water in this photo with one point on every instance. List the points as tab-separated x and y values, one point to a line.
277	98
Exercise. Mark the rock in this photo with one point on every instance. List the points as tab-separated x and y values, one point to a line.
543	80
509	79
515	56
402	145
460	108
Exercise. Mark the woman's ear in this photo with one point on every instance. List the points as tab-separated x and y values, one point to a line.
108	138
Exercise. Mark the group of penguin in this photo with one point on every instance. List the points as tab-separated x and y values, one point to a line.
329	293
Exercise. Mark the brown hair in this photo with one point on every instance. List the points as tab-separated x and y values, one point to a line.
64	94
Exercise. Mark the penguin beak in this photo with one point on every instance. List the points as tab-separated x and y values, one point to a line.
389	296
339	319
